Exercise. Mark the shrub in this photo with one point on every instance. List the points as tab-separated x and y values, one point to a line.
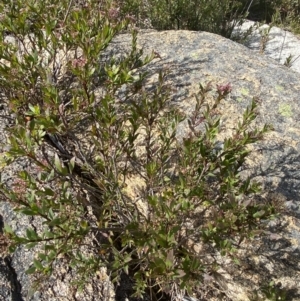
287	15
283	13
218	17
92	130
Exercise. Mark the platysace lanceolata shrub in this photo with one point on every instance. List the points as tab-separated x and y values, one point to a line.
106	160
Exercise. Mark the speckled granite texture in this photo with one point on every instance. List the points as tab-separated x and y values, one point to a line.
191	58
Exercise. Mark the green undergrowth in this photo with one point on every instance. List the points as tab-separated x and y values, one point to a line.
214	16
88	143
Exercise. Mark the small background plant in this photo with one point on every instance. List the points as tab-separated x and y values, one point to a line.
272	291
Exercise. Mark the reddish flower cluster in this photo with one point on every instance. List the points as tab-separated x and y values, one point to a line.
225	89
114	13
79	63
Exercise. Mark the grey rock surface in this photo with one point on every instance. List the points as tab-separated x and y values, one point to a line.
193	58
271	41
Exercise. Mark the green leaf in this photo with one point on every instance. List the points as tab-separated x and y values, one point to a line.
71	164
259	214
8	229
57	163
51	214
27	211
159	265
38	265
84	225
42	256
48	191
48	234
31	270
31	234
31	245
52	254
56	222
34	109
